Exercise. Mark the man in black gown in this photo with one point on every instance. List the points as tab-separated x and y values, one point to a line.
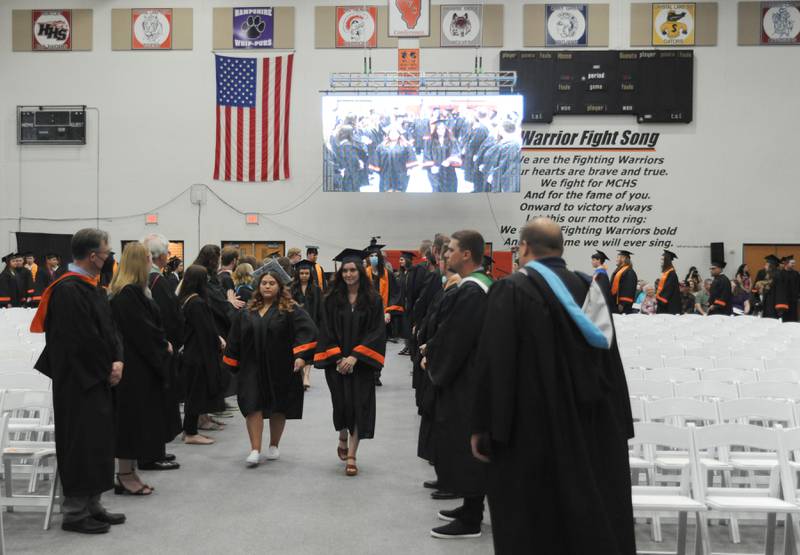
552	415
10	293
317	273
453	367
47	274
720	296
172	318
83	357
668	295
792	289
600	272
623	284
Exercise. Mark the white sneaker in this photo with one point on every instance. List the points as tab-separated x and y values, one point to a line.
253	459
273	454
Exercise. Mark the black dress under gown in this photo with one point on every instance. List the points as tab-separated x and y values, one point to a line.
262	350
357	330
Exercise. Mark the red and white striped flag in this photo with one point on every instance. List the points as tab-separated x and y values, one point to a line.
253	97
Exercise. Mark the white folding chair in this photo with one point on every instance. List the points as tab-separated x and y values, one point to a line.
644	361
634	374
730	501
650	390
675	375
782	362
779	375
771	390
24	380
730	375
653	499
695	362
707	390
746	363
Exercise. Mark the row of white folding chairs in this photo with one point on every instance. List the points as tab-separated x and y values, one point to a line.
641	348
695	493
733	375
709	362
711	389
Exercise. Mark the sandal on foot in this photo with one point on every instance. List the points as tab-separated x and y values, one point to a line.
120	489
351	469
342	451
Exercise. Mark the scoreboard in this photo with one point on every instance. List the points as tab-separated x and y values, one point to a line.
656	86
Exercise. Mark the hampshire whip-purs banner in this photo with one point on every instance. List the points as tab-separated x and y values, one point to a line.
253	27
52	29
566	25
151	29
356	27
461	25
409	18
673	24
780	23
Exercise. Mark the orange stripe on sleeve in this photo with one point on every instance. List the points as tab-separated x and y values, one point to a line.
5	299
395	308
781	306
318	357
367	352
230	361
625	300
304	347
662	299
720	302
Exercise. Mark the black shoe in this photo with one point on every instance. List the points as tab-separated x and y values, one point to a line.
378	381
449	515
160	465
456	530
444	495
169	457
404	351
87	525
431	484
109	518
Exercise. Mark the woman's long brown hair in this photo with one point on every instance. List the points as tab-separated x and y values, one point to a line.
285	301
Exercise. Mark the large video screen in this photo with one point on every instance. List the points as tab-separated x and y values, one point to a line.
422	144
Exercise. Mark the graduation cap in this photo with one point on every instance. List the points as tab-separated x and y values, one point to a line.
304	265
625	253
7	258
26	254
350	255
772	259
408	255
312	249
273	266
52	255
374	246
670	255
600	255
719	264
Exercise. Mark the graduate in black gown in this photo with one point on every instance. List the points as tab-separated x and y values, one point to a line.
83	357
385	285
503	175
401	326
720	296
202	348
668	294
243	282
141	394
552	415
451	360
307	295
172	273
163	292
792	289
269	344
623	284
393	159
47	274
11	295
351	348
441	158
317	272
350	159
773	290
472	144
600	274
25	279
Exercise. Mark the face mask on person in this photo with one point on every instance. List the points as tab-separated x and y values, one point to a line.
373	261
108	265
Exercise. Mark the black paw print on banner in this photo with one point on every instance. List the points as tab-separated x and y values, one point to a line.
253	26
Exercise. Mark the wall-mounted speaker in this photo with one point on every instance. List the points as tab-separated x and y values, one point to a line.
717	252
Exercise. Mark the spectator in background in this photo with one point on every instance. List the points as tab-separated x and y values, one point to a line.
741	298
649	303
243	281
693	274
171	272
701	298
295	255
640	294
229	259
743	277
687	299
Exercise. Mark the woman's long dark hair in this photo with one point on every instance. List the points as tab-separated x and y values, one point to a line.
208	258
195	281
337	292
741	271
284	298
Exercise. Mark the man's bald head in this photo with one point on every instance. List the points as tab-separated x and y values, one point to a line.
543	237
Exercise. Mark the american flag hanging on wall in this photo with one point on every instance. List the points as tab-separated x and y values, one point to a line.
253	98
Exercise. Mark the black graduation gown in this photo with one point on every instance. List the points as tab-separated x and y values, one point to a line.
720	296
311	300
44	277
201	358
558	416
483	164
225	281
506	165
351	164
244	292
668	296
623	291
445	179
400	321
358	331
172	319
792	293
11	294
454	370
141	394
601	277
392	162
421	131
81	345
26	287
221	308
779	298
262	350
475	139
431	286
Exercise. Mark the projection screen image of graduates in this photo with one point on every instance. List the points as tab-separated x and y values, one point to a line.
430	144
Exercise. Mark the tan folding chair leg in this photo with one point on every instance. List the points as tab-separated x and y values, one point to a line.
769	543
48	515
681	534
789	535
702	544
7	482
